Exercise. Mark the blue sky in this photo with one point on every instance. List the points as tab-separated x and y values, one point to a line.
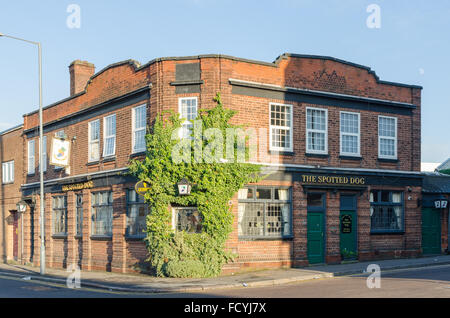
412	46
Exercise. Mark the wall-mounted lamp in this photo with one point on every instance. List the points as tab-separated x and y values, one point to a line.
184	187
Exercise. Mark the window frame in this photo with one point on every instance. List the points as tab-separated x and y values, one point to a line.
65	211
322	152
175	217
358	135
265	202
78	207
8	167
105	137
187	121
394	157
134	129
389	204
93	221
129	204
31	164
92	141
290	128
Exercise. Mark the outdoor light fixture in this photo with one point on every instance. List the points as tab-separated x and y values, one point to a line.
184	187
21	206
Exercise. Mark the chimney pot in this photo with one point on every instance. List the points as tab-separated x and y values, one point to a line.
80	73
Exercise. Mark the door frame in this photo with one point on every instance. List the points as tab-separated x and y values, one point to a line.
437	211
323	211
355	221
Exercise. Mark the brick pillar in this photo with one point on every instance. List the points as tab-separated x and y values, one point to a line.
119	225
86	241
333	254
299	217
364	246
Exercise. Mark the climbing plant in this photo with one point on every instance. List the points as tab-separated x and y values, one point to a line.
175	253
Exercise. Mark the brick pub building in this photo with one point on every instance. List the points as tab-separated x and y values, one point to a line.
343	147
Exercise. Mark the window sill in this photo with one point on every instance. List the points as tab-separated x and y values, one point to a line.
59	236
109	158
137	154
277	238
194	82
92	163
31	174
318	155
282	152
387	160
348	157
387	232
6	183
101	237
134	238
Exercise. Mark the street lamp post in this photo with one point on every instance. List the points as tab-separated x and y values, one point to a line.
41	172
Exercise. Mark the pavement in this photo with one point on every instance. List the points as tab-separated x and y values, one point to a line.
141	283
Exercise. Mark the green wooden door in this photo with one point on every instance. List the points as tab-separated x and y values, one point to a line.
315	237
431	231
348	234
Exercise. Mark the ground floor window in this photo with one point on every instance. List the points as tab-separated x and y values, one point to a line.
386	211
264	212
102	212
187	219
137	211
79	210
59	205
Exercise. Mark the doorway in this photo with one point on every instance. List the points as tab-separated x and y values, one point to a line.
348	227
316	209
431	231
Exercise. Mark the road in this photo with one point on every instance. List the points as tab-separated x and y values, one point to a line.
426	282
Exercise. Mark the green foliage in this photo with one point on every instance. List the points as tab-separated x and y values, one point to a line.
445	171
181	254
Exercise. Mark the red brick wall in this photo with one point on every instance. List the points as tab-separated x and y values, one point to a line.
10	149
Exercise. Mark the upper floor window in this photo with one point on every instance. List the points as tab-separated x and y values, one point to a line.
31	156
316	130
8	172
137	212
264	212
387	137
94	140
188	110
280	127
109	138
350	134
139	128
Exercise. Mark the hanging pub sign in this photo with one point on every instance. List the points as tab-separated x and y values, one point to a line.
440	204
60	152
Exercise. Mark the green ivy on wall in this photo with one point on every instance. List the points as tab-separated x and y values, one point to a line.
177	253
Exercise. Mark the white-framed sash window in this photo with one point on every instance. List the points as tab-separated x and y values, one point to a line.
31	156
350	134
94	140
280	134
8	172
316	130
139	119
187	107
387	137
109	138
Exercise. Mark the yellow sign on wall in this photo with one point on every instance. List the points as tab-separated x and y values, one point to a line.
78	186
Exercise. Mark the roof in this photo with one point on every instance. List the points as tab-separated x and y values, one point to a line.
436	183
11	129
445	165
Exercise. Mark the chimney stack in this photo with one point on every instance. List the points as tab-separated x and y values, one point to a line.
80	73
